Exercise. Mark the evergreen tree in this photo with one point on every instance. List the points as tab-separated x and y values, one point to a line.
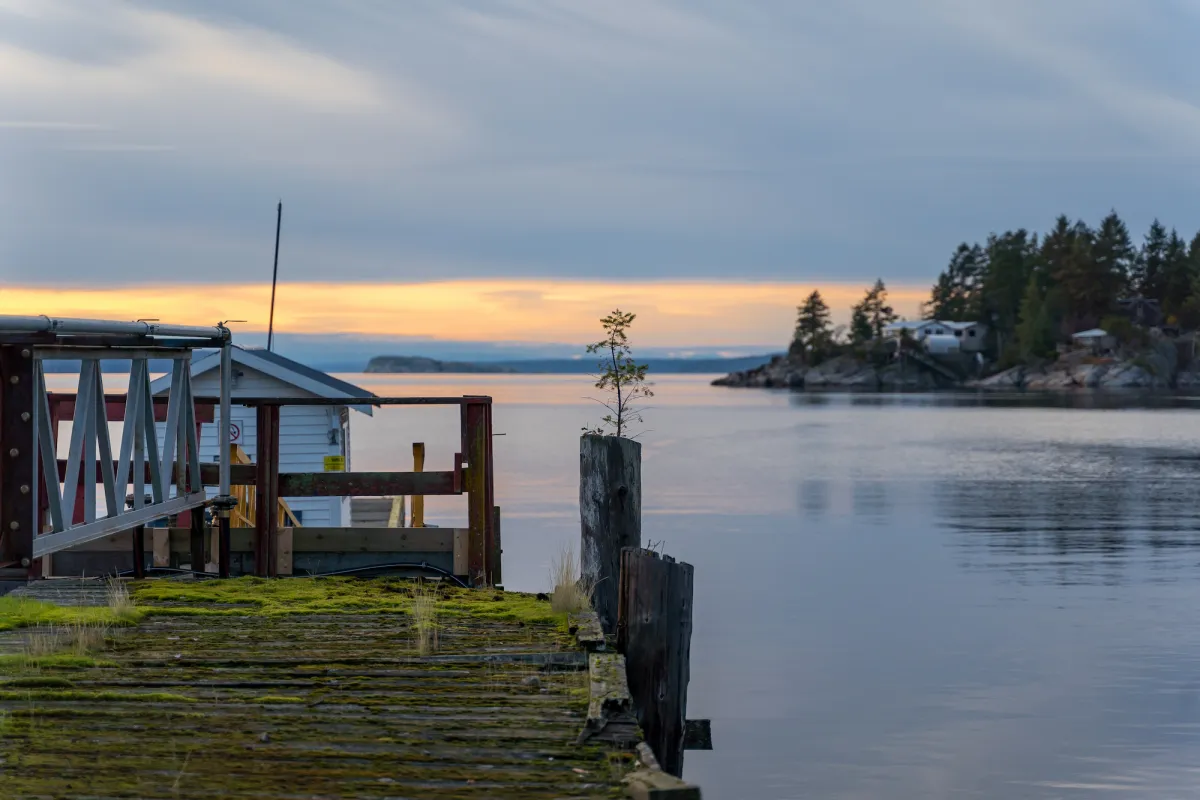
1113	252
1011	258
1178	275
813	339
955	296
871	315
1150	264
1035	334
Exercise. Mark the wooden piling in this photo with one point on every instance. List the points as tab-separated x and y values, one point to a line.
654	633
610	510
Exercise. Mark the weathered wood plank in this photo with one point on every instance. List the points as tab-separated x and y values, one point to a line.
610	511
365	484
587	631
610	708
654	633
311	540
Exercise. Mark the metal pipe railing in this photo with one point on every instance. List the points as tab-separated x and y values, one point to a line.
102	327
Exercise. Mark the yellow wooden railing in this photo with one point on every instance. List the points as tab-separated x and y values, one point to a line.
243	515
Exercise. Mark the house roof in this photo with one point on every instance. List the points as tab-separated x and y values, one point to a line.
281	368
1090	334
912	325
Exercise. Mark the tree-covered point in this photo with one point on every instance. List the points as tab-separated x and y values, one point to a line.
1034	293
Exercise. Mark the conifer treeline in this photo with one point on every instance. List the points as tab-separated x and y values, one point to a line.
1032	291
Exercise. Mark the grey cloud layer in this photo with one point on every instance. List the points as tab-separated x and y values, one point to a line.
413	140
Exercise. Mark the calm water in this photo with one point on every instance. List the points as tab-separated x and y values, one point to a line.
901	597
897	596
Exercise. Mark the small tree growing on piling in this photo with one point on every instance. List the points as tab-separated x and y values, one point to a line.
620	375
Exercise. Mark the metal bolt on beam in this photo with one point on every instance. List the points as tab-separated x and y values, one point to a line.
14	452
14	525
26	353
14	380
24	488
26	416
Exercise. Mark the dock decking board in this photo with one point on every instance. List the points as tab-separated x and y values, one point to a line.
309	705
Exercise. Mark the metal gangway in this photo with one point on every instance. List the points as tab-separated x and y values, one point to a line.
41	511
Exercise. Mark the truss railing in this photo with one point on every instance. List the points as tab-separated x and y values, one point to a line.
47	504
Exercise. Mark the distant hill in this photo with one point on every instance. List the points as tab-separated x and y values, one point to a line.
560	366
399	364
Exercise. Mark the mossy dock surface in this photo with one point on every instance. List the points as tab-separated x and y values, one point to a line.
307	688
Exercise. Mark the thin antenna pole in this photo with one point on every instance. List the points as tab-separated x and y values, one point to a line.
274	274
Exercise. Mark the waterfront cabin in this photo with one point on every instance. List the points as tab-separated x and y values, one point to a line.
311	438
1096	339
969	336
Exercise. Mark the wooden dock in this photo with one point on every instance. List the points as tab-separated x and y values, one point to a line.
306	688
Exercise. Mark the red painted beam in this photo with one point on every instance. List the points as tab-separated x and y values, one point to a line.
115	407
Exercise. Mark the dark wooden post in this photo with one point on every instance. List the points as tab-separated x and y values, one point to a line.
17	441
197	531
138	535
266	490
610	511
654	632
477	447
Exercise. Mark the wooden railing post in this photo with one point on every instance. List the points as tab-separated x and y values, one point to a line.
266	490
654	633
18	497
610	511
418	500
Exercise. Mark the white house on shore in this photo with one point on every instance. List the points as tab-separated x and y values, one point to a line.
940	335
307	434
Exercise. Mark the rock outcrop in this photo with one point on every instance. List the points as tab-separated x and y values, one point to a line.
1151	369
839	373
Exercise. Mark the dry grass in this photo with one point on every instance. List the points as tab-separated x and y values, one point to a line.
120	603
77	638
425	617
571	593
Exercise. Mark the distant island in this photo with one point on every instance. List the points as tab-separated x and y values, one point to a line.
558	366
395	364
1077	308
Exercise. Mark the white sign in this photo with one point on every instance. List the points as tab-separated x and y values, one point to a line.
235	433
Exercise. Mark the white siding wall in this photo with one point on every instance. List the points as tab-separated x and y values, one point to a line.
303	438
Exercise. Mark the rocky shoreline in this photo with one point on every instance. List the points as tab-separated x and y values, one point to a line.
1152	369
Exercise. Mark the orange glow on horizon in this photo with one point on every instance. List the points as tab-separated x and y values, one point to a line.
695	313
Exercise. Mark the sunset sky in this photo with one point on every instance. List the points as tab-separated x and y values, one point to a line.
510	170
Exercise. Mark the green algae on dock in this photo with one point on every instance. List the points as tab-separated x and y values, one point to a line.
308	688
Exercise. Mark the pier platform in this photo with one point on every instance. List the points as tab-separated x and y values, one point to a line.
301	688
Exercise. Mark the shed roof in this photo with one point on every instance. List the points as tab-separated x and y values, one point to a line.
281	368
1094	333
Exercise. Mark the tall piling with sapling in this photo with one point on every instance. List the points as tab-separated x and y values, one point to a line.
610	467
610	511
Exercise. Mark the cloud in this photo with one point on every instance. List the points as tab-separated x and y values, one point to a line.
777	141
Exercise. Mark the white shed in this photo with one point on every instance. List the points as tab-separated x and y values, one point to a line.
307	434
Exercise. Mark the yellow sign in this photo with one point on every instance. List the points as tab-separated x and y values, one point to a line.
335	463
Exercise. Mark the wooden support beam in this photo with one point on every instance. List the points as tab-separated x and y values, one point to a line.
418	500
318	484
114	406
365	484
610	513
654	632
283	551
697	734
267	489
196	531
18	498
139	551
477	481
